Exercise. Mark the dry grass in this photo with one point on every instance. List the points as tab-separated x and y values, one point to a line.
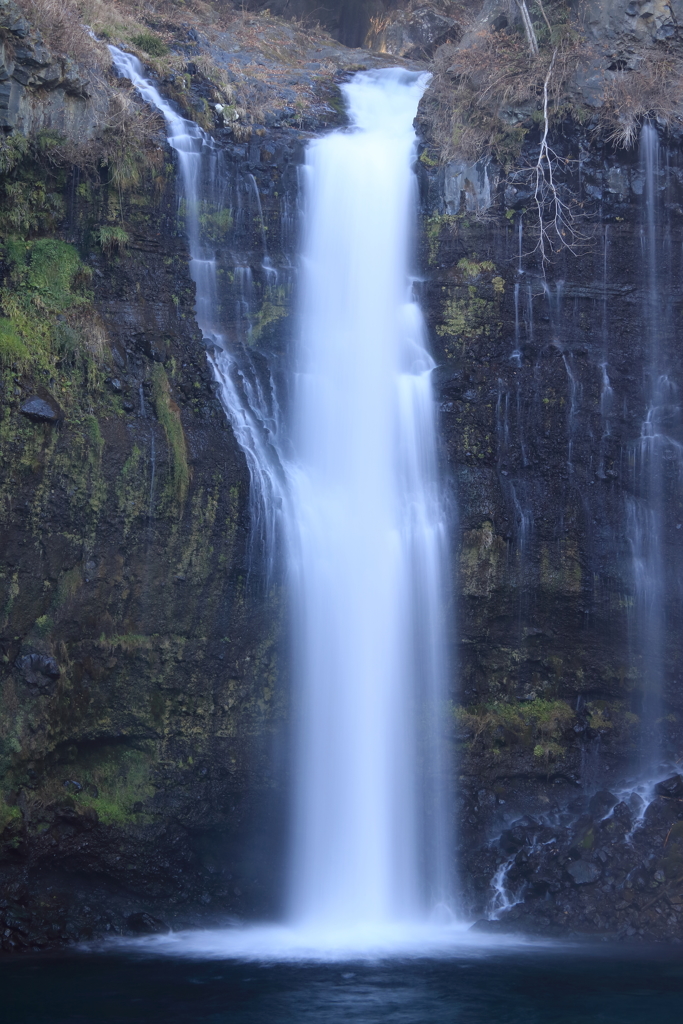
66	25
653	88
61	25
134	24
128	142
485	97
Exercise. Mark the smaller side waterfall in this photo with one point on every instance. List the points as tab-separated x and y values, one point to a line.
250	407
657	462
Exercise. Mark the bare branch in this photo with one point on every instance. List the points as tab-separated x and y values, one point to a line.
547	197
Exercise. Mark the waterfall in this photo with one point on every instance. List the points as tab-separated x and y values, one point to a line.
352	485
250	406
367	534
657	471
645	507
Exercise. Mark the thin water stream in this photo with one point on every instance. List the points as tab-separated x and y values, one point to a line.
248	405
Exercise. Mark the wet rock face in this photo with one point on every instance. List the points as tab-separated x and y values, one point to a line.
39	90
617	874
547	384
141	672
143	676
39	671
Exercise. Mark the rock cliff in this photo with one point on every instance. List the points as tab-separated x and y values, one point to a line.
144	666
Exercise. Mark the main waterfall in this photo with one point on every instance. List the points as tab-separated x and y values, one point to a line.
366	535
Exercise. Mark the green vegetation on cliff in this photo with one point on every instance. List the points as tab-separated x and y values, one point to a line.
168	415
472	312
536	724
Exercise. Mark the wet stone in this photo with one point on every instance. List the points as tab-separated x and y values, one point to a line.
602	803
672	787
583	872
41	409
40	671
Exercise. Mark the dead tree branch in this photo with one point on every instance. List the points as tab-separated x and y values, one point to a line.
547	197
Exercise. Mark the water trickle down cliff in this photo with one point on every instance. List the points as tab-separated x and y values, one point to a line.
246	390
560	418
655	464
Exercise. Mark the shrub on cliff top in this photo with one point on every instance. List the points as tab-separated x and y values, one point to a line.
150	43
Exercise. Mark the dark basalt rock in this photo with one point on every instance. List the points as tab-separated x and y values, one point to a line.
117	799
181	685
40	671
602	803
524	411
672	787
41	409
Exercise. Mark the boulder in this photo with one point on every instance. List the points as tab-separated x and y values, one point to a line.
40	671
41	409
672	787
602	803
415	33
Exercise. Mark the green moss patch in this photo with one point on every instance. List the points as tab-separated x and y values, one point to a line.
114	782
12	348
537	724
168	414
471	313
8	815
45	288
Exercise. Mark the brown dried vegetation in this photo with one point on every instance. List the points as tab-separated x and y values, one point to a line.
61	25
486	96
652	87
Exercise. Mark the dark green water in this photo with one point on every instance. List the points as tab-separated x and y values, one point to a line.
558	987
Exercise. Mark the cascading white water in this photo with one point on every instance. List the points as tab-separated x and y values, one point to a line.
366	535
247	407
357	488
